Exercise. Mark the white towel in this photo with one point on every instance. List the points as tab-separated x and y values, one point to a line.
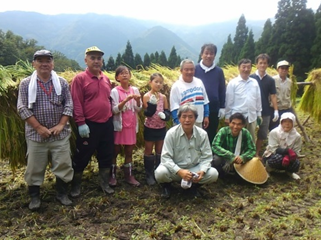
238	145
32	89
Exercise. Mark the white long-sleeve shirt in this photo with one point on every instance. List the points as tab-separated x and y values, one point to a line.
243	96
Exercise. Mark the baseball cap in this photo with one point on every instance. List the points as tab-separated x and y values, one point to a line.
93	49
282	63
42	53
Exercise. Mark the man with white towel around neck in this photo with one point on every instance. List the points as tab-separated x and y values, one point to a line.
45	104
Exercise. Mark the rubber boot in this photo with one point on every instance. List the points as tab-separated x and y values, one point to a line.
166	190
112	177
157	161
76	184
129	178
62	192
35	202
149	163
104	180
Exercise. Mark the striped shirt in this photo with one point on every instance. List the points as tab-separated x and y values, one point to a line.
48	110
224	145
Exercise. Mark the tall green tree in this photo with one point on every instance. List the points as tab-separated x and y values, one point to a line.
262	45
119	60
138	60
162	59
316	47
110	66
156	57
172	59
240	38
293	35
152	58
128	56
248	50
147	61
227	53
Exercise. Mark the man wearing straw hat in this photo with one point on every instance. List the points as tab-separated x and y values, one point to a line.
45	104
234	150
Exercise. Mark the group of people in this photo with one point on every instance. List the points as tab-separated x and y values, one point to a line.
192	151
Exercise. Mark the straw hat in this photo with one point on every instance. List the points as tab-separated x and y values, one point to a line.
252	171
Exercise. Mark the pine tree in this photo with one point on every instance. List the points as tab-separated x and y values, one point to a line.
156	57
172	59
119	60
128	56
162	59
248	50
240	38
146	62
152	58
138	60
110	64
227	53
262	45
293	35
316	48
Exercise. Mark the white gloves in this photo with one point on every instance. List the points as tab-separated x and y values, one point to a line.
221	113
161	115
276	116
153	99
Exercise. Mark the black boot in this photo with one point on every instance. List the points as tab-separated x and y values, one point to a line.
194	190
76	184
166	193
149	163
35	202
104	180
158	159
62	192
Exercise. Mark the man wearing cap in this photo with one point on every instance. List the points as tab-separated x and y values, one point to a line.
232	144
45	104
283	86
268	93
90	92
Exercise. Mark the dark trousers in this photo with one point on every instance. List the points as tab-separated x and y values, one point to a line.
101	140
212	127
275	161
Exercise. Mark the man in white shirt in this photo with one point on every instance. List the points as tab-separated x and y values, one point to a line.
186	150
190	89
243	95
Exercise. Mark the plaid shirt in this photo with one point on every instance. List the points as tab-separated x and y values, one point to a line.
48	110
224	145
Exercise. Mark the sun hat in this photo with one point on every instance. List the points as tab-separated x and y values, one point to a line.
42	53
252	171
93	49
283	63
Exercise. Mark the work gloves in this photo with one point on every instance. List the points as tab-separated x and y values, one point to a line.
276	116
84	131
221	113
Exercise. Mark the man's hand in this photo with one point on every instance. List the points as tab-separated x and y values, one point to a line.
206	122
238	160
185	174
56	130
43	131
276	116
199	178
84	131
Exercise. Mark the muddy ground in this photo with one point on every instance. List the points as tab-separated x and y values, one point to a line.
282	208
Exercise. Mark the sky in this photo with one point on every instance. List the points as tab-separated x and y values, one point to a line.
185	12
